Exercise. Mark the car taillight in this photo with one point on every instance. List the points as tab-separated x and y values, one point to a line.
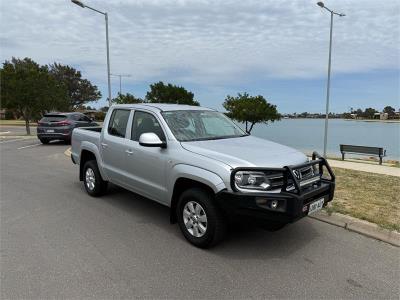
63	123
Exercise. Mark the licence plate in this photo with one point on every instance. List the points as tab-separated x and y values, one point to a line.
316	206
50	130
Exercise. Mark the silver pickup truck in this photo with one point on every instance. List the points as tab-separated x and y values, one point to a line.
203	166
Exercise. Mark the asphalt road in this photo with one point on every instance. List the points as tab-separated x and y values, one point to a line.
56	241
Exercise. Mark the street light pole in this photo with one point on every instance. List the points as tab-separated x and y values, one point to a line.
328	86
79	3
108	62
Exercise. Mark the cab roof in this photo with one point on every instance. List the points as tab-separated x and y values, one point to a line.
161	106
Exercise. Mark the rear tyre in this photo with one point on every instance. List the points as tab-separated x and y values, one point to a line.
94	184
44	141
67	141
200	221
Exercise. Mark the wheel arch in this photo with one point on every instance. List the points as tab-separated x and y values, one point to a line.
189	177
85	156
88	152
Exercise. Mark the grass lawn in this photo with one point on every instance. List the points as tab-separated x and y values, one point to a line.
368	196
15	123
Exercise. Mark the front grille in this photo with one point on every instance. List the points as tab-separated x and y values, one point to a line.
298	178
307	172
276	181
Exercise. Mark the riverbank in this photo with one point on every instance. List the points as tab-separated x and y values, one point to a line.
373	120
358	120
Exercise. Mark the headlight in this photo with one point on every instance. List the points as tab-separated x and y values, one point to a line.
251	180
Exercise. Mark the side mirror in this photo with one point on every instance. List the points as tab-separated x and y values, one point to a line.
150	139
91	119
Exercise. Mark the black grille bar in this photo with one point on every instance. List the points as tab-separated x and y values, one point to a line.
290	182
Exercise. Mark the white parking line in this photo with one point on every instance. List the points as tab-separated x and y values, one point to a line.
9	141
29	146
4	132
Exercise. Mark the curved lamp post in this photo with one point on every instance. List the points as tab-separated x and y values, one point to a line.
322	5
79	3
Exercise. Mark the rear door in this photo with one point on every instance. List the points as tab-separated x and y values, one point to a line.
81	120
86	121
113	145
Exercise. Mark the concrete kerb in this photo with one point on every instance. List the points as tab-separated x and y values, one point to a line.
359	226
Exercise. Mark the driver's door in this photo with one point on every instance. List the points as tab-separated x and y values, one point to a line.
146	166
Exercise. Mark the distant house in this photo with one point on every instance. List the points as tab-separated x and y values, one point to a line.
2	114
381	115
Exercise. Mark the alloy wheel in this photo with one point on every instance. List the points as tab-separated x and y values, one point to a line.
90	179
195	219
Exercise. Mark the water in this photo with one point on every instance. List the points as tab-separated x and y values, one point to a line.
307	135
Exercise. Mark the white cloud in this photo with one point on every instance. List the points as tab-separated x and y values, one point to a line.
204	41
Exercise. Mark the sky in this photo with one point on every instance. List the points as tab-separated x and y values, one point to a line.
278	49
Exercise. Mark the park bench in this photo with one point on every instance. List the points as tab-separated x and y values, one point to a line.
376	151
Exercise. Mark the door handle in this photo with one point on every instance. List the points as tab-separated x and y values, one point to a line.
129	152
104	145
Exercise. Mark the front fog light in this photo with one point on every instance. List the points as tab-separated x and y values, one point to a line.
274	204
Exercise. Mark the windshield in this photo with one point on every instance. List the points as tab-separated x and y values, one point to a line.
197	125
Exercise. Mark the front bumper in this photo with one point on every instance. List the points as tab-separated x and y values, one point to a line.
293	203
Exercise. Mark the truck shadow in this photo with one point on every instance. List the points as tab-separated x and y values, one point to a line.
243	240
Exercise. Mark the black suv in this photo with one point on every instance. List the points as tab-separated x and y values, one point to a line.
59	126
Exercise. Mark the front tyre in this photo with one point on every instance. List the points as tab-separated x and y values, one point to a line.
94	184
200	221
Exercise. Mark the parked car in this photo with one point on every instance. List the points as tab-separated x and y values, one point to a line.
59	126
203	166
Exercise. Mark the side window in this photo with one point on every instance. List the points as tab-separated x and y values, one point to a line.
84	118
118	122
144	122
75	117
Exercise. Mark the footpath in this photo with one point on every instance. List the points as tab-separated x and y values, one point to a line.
365	167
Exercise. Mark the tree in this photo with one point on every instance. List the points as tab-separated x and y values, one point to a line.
250	110
104	109
390	111
79	90
161	93
369	113
29	89
359	112
126	99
